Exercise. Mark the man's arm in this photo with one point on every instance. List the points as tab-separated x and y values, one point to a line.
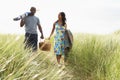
40	29
22	22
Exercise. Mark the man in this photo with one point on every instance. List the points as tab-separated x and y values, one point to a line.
31	36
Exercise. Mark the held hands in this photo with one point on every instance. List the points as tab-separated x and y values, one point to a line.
49	38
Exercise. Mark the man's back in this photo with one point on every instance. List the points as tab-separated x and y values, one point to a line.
31	23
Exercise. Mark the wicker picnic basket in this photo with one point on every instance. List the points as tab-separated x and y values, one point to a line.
45	45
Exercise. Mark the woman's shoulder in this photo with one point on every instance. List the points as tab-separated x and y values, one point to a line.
55	22
65	25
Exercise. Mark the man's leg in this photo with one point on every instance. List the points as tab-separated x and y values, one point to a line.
34	42
27	40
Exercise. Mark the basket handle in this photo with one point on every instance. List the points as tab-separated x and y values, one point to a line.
44	43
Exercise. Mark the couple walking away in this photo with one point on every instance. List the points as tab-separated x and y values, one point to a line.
31	36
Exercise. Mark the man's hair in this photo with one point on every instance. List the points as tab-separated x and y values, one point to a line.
32	8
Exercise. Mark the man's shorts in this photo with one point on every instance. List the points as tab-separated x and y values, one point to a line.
31	41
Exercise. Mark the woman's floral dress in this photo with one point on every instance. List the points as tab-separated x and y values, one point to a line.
59	39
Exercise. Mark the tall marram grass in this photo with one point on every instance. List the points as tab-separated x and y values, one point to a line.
19	64
95	57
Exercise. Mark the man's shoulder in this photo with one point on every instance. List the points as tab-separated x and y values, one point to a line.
32	16
36	17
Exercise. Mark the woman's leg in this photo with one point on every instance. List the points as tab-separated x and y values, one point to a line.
58	58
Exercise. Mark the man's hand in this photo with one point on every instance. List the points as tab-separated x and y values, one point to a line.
42	37
22	22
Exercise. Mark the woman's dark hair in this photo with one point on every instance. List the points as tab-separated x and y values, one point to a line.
63	18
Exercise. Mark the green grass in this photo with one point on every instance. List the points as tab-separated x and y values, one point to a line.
19	64
93	57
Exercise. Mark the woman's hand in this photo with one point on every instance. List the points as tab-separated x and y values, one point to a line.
49	38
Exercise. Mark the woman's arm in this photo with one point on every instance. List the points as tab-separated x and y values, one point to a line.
65	26
52	31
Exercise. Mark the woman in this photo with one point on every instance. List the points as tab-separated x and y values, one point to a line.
60	26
